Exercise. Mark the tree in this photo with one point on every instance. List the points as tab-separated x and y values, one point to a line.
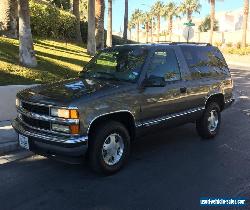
136	19
212	18
206	25
91	46
157	11
171	10
77	14
131	25
146	20
26	48
8	17
63	4
244	24
84	10
188	7
125	29
99	15
109	31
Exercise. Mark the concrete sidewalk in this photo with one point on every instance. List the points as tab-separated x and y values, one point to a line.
8	138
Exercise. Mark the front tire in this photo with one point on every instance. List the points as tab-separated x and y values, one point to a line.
209	124
109	147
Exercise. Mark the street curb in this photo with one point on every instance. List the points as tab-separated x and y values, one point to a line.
8	147
244	65
22	154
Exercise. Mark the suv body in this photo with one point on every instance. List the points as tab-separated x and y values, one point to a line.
167	85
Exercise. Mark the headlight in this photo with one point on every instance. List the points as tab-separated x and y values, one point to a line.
72	129
64	113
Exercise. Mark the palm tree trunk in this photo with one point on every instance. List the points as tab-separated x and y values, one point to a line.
244	24
212	17
170	27
138	31
77	15
109	31
26	48
147	30
99	30
151	30
189	15
125	29
158	27
8	17
14	18
91	46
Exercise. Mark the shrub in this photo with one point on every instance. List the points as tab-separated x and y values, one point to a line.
50	22
240	51
238	45
218	44
206	25
229	44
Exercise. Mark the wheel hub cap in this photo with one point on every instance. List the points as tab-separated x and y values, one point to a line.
112	149
213	121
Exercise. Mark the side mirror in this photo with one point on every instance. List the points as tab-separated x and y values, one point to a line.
154	82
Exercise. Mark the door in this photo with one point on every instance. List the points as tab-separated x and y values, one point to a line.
160	102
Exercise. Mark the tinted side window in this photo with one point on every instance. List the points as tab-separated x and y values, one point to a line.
204	61
164	64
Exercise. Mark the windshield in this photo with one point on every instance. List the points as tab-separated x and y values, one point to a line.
116	64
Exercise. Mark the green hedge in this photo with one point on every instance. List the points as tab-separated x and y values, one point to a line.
50	22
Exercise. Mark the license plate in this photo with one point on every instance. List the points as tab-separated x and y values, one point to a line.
23	141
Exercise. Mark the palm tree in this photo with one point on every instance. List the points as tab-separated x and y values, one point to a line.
157	11
244	24
136	19
171	10
131	25
125	29
109	31
77	15
26	48
8	17
212	19
99	15
188	7
146	19
91	46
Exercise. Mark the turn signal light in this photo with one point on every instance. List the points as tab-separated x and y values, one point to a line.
73	113
74	129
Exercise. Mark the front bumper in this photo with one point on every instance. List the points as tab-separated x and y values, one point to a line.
65	148
229	102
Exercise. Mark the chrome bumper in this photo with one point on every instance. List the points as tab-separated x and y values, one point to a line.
20	128
63	148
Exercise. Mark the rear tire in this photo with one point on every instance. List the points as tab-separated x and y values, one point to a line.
209	124
109	148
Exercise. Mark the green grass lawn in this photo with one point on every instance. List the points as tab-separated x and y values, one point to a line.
56	61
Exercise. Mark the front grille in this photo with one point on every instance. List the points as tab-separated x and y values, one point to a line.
35	108
36	123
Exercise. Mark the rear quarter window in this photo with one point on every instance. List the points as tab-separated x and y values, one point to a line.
205	62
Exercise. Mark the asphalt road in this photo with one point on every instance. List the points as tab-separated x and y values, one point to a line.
170	169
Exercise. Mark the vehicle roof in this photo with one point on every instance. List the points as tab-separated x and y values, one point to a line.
161	44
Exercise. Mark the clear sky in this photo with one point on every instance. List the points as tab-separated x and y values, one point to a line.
118	8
